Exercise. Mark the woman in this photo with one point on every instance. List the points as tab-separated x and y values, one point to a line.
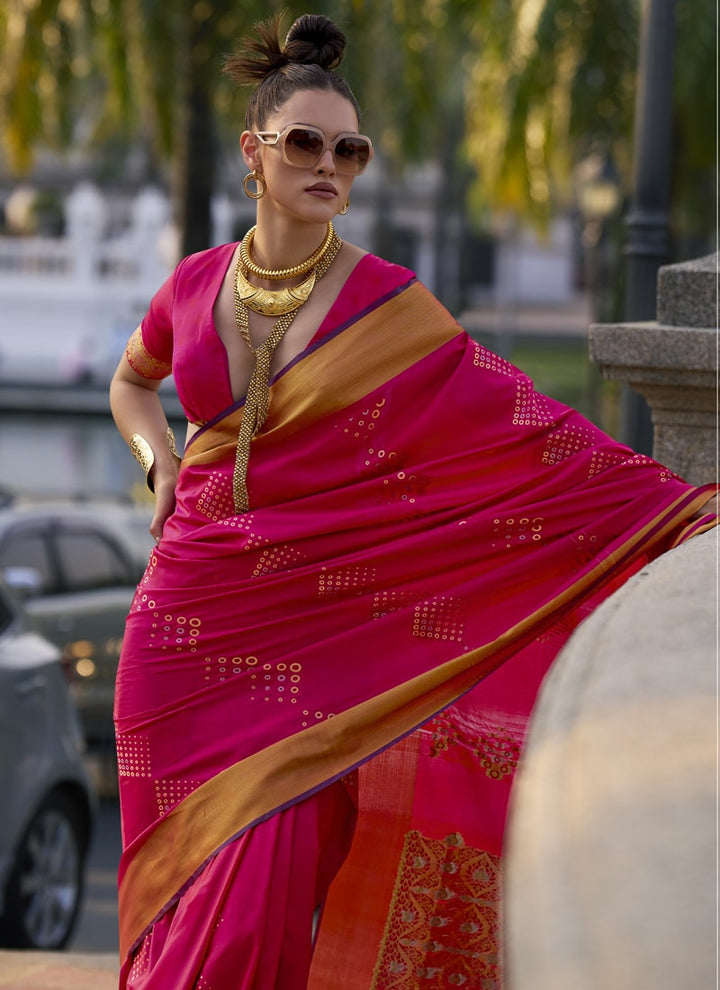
372	514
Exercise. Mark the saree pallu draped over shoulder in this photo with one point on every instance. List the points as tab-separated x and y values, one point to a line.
424	531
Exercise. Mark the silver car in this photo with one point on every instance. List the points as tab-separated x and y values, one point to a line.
46	797
76	568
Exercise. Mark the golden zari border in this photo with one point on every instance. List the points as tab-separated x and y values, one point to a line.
697	526
363	357
142	361
251	790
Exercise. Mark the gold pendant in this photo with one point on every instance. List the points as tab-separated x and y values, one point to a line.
273	302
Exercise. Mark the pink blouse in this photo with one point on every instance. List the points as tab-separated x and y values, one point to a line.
179	334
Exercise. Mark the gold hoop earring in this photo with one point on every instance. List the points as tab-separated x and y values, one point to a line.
261	186
345	208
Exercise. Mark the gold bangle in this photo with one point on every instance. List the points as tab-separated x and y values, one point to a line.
145	456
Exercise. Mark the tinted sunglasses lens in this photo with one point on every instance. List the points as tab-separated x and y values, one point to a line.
352	154
303	147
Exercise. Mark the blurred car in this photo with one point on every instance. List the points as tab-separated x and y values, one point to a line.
76	568
47	800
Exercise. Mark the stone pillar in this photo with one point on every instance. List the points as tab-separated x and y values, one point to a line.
672	362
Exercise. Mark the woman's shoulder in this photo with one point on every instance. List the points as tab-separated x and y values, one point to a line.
206	262
367	281
379	272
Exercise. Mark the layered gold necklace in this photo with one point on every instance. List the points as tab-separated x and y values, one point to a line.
277	302
284	303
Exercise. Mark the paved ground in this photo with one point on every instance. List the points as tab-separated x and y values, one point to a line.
97	928
57	971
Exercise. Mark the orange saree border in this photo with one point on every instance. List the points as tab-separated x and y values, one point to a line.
697	526
251	790
341	371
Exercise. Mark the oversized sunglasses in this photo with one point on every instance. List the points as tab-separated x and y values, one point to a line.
304	146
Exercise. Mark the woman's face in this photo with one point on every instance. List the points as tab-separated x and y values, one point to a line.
314	194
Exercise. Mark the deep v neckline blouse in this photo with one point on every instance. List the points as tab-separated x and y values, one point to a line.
179	326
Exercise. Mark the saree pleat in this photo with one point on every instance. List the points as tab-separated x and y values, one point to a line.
425	530
287	863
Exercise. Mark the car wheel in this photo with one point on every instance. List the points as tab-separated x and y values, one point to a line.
45	888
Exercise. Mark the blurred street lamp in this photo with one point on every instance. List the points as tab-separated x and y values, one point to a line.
598	187
598	191
648	223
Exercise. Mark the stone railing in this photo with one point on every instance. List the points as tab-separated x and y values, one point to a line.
611	847
610	868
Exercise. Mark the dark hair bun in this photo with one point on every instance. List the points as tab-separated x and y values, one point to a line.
312	40
315	40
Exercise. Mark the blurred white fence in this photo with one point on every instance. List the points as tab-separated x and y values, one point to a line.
68	305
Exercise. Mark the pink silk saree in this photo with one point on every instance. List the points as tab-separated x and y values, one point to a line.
354	659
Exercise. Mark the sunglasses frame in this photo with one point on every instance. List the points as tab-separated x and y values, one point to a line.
275	139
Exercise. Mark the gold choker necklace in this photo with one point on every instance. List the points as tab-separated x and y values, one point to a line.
278	274
278	302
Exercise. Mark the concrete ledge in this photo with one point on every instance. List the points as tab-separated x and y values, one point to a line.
57	971
673	363
610	867
660	353
687	293
675	369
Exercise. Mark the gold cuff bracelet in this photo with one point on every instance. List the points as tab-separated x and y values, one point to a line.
145	456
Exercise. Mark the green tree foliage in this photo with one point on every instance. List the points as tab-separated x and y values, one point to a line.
123	68
86	73
516	90
37	61
695	117
556	79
